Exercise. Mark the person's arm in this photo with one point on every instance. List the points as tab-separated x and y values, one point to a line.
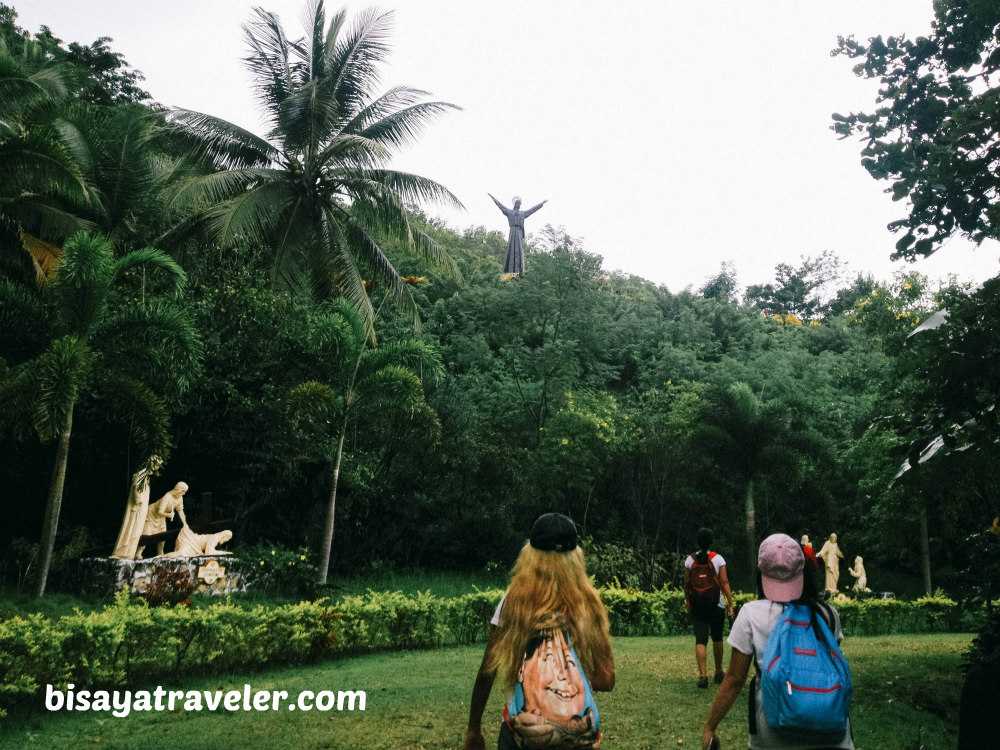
727	592
603	677
480	695
532	210
687	581
729	690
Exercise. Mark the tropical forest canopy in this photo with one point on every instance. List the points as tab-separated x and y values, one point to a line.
326	365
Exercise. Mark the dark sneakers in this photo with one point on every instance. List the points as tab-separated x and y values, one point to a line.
703	682
719	677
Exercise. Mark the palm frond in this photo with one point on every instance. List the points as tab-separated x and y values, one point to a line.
347	153
228	146
307	118
36	164
416	355
255	214
396	118
61	372
413	188
49	221
18	395
355	56
269	61
207	190
335	272
143	412
83	279
151	256
25	321
312	399
155	343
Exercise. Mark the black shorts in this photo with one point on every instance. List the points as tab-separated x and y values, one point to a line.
706	620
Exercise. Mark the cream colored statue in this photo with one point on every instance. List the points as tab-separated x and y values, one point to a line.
861	578
135	511
190	544
160	511
831	557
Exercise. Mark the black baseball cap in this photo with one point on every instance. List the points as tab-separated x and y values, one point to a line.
553	532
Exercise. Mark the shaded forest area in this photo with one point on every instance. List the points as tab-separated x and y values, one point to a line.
811	405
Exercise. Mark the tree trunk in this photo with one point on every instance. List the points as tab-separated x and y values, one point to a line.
50	522
324	556
751	532
925	551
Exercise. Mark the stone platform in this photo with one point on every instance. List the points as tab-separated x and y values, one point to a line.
211	574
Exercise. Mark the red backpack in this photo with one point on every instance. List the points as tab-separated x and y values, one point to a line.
703	584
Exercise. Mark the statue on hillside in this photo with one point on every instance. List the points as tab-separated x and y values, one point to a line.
162	510
514	262
861	577
135	511
831	556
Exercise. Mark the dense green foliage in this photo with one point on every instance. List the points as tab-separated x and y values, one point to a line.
570	388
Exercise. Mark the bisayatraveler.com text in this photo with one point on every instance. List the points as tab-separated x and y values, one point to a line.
123	702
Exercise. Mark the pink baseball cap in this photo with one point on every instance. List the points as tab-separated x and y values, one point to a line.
781	561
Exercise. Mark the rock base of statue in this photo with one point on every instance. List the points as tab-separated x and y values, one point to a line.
211	574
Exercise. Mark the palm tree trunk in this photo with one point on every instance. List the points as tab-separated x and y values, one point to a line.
331	510
925	551
50	522
751	531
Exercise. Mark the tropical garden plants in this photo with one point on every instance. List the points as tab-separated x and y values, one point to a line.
138	354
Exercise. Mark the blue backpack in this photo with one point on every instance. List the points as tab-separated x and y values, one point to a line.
806	682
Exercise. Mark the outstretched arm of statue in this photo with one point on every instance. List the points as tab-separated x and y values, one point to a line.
532	210
500	205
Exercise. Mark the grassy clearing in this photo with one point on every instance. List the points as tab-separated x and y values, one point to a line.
907	691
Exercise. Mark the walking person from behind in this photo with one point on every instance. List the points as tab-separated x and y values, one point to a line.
787	576
550	640
705	585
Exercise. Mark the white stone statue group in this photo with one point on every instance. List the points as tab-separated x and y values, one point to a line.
831	556
143	518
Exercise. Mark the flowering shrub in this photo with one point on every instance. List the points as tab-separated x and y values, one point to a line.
281	570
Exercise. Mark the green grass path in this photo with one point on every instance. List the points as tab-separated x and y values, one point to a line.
906	694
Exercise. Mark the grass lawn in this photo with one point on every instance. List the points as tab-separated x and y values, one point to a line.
906	696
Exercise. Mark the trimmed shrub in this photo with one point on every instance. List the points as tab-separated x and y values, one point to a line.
130	643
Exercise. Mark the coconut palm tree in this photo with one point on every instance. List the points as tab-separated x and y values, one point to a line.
750	438
361	378
317	189
139	355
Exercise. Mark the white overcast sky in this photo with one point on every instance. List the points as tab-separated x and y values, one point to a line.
668	136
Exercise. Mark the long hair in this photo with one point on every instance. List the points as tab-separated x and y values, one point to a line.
545	585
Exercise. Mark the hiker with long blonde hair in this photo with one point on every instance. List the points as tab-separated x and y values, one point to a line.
550	641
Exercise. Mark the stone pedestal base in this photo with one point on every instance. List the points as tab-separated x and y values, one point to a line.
212	574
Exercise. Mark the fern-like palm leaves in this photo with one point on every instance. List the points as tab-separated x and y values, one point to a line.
317	189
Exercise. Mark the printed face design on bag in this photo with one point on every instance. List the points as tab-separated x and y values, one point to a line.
552	682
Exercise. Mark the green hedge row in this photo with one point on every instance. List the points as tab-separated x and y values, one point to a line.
130	643
662	613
